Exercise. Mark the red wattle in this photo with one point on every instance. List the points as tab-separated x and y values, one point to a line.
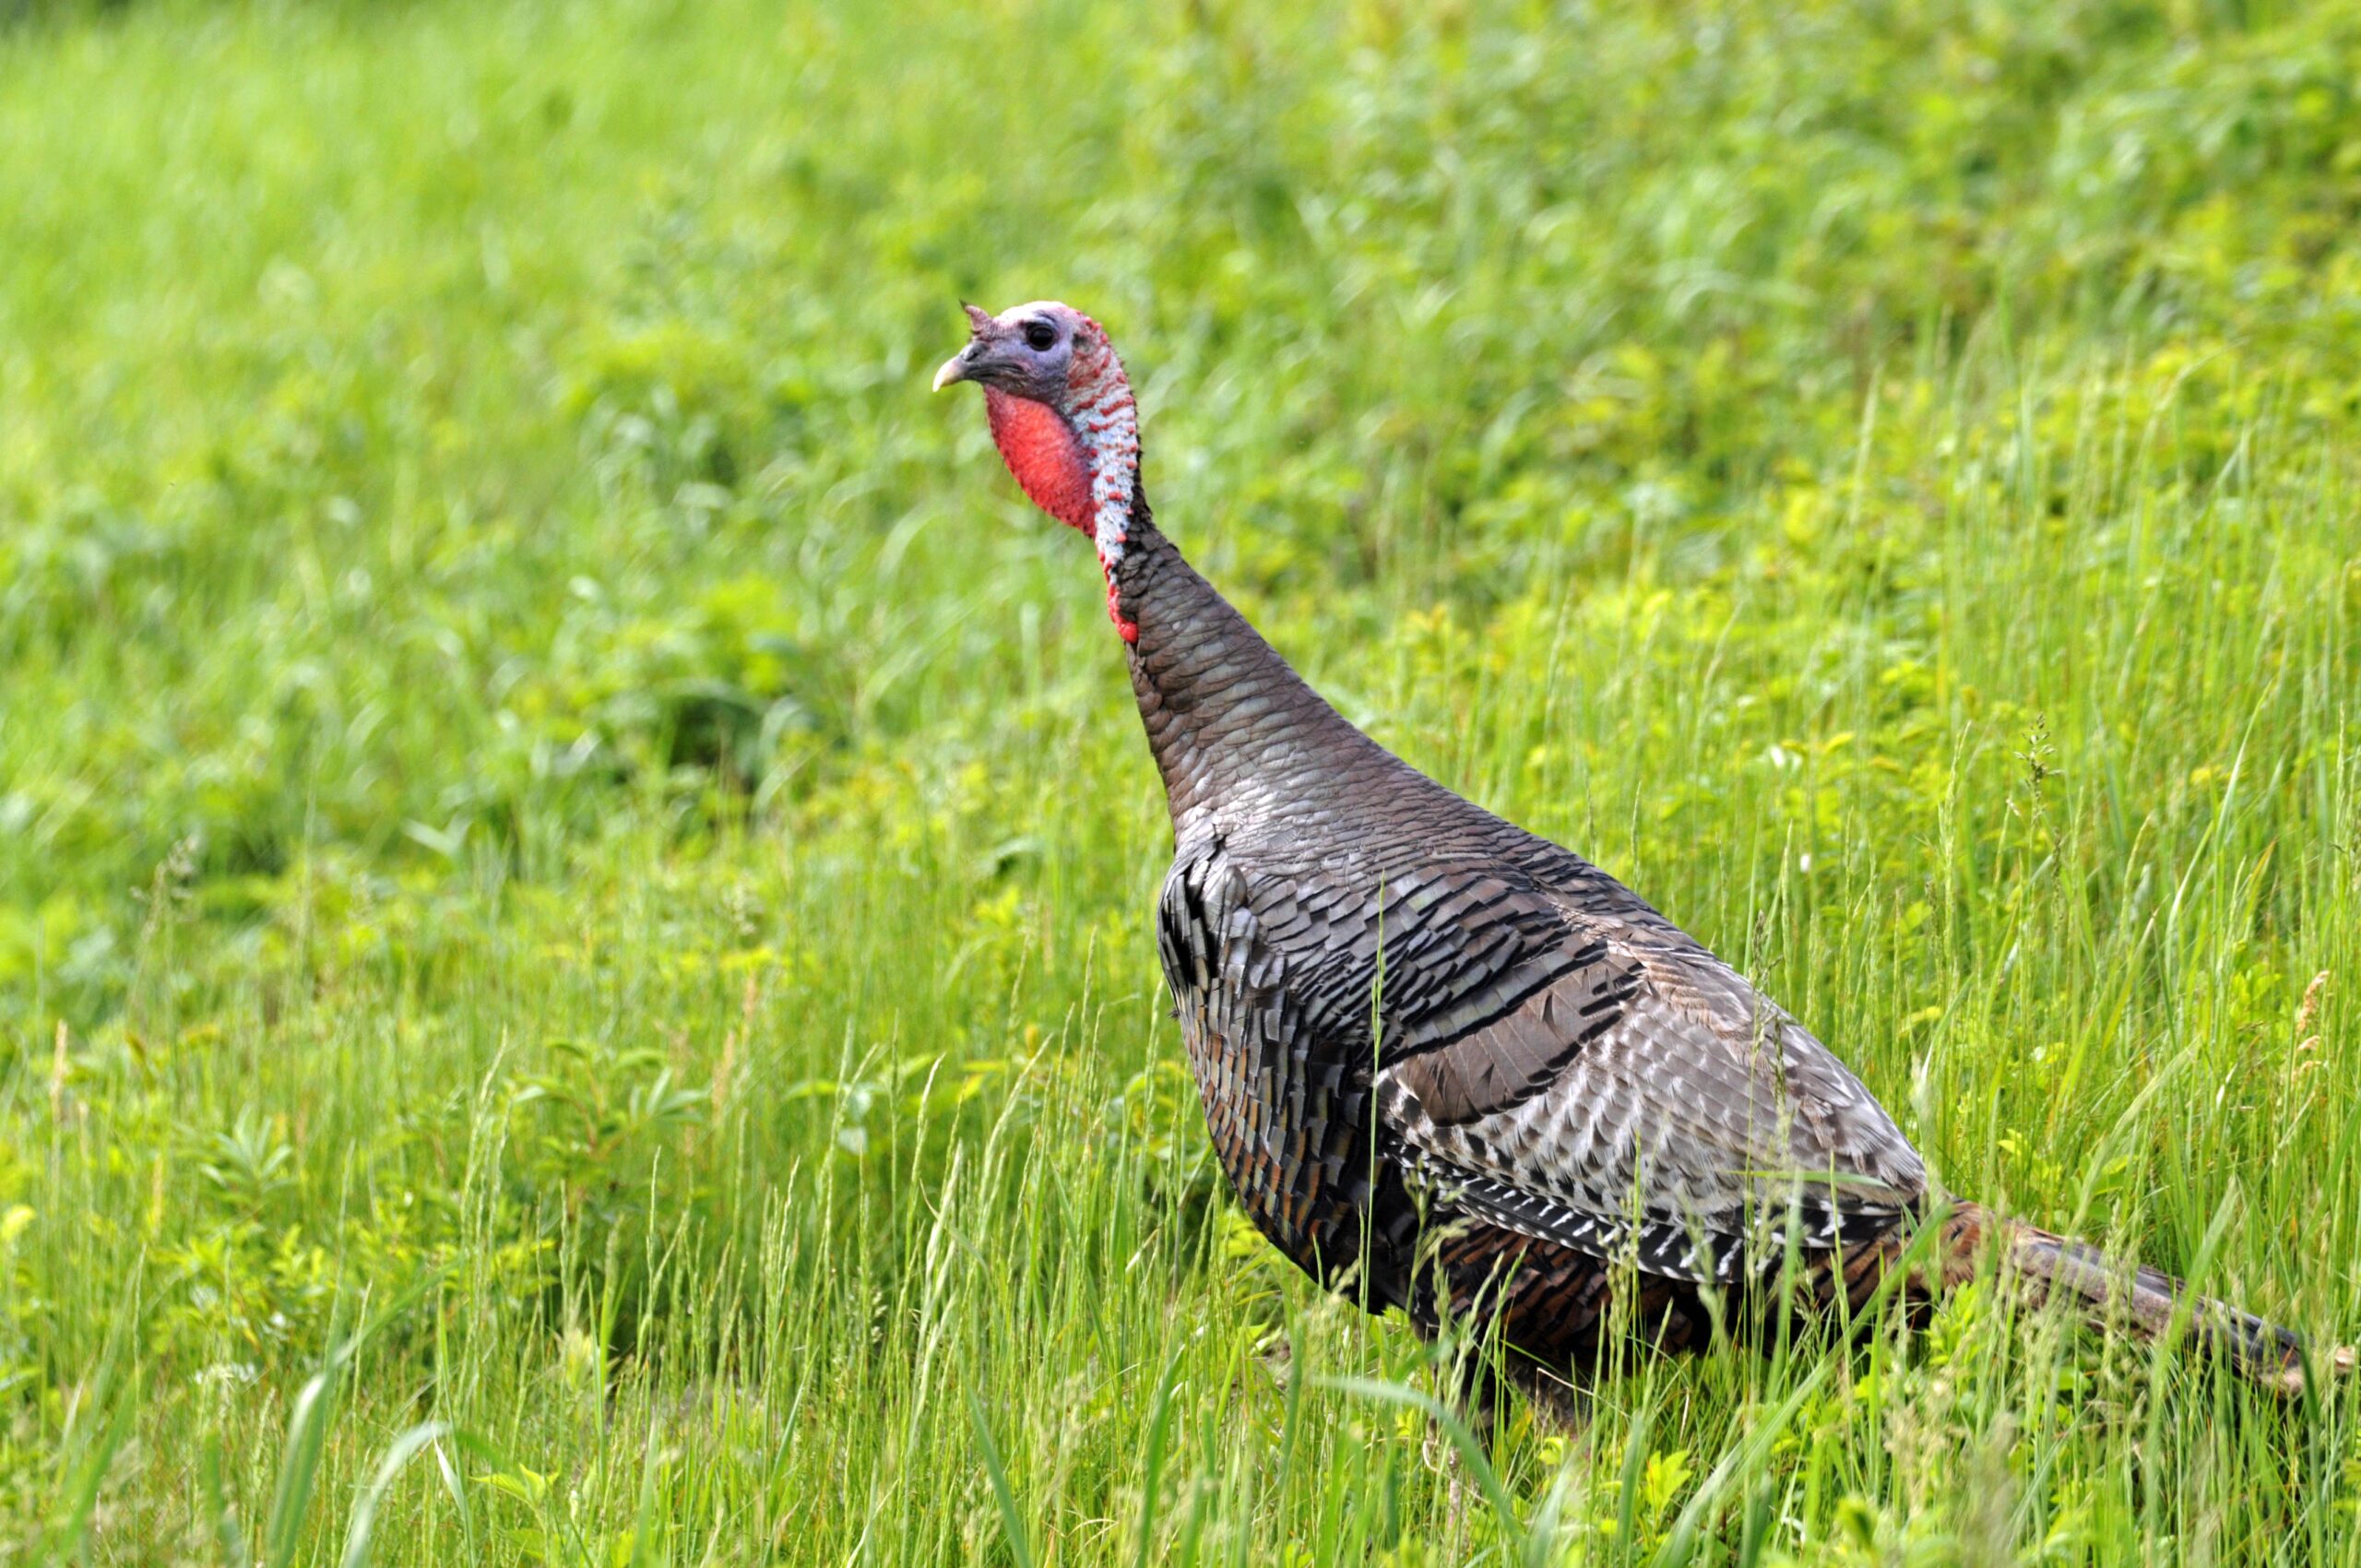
1042	450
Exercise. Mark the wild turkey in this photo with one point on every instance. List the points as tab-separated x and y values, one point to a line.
1447	1063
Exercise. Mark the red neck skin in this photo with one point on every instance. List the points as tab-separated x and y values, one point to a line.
1039	448
1057	468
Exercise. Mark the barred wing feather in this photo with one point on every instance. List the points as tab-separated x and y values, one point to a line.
1648	1098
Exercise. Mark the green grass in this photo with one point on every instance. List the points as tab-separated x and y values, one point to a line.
574	975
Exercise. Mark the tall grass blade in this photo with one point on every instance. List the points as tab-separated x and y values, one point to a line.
1020	1541
1152	1466
1463	1441
399	1454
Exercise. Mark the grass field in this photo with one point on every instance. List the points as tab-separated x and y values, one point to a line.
575	974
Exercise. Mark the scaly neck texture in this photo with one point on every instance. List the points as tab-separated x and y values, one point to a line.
1239	736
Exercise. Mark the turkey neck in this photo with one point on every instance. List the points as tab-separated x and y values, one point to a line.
1238	735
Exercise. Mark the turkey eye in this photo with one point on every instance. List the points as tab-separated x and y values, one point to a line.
1040	336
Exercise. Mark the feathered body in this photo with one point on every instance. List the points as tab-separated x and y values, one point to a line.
1413	1021
1445	1062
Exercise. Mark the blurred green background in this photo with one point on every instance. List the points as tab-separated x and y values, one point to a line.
574	861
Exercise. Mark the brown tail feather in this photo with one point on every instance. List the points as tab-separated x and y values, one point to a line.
2056	1268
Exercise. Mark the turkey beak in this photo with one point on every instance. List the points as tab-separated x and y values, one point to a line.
955	368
